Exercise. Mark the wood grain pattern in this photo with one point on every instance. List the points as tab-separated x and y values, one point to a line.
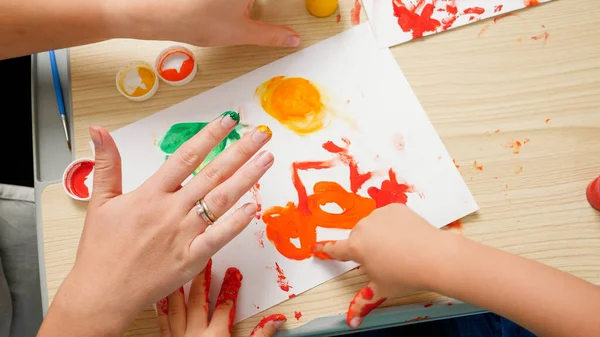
471	81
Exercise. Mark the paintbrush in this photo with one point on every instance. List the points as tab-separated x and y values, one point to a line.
59	95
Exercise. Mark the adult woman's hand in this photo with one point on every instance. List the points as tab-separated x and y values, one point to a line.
138	247
198	22
176	319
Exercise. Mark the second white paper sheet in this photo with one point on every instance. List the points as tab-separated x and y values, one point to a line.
373	112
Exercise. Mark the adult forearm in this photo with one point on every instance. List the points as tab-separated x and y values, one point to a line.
30	26
544	300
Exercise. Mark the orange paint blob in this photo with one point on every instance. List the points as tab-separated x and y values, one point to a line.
455	225
529	3
477	167
300	221
294	102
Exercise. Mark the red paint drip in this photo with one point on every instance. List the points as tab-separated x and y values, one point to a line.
498	8
297	315
163	306
593	193
409	20
265	320
292	296
390	192
76	183
282	280
355	13
229	291
255	190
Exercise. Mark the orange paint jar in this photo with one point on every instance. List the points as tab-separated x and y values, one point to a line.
593	193
321	8
176	66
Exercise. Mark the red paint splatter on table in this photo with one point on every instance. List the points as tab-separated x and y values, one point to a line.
497	130
230	288
527	140
498	8
255	190
506	186
543	35
355	13
292	296
455	225
516	146
547	120
265	320
282	280
420	318
477	167
455	164
338	18
162	305
365	294
519	170
297	315
500	17
260	238
428	305
483	29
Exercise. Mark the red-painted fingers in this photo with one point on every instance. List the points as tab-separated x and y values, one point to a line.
224	314
334	250
268	326
365	301
197	314
163	319
177	312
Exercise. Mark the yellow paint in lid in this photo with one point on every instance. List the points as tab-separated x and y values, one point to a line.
321	8
137	81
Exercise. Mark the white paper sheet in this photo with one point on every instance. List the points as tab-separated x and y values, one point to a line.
385	15
383	121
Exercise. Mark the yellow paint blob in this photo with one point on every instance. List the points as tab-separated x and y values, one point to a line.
321	8
294	102
265	129
137	82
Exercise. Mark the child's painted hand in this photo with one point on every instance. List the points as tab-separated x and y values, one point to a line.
197	22
145	244
394	247
176	319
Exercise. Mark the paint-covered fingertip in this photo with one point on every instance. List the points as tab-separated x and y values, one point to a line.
318	250
353	321
276	319
322	256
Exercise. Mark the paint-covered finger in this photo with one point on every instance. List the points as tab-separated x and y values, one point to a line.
224	314
265	34
107	167
365	301
224	166
177	313
211	241
334	250
163	318
197	314
224	196
198	141
268	326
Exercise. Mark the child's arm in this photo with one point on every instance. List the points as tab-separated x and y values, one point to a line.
546	301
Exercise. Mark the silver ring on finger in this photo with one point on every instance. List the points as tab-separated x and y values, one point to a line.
201	211
210	214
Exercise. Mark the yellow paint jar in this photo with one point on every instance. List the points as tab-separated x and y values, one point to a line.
137	81
321	8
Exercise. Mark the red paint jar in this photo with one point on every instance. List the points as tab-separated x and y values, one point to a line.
593	193
78	179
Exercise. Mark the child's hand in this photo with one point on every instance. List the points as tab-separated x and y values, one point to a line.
175	319
394	246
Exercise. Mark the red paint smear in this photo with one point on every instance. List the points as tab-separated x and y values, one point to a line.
163	305
485	27
500	17
529	3
477	167
420	318
297	315
181	290
455	164
172	74
498	8
260	235
390	192
527	140
592	193
76	183
255	190
409	20
516	146
519	170
265	320
449	304
455	225
282	280
428	305
365	294
547	120
355	13
292	296
543	35
229	291
498	130
338	18
474	10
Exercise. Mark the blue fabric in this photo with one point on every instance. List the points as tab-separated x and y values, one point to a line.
481	325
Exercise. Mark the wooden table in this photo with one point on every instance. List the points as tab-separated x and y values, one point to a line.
483	86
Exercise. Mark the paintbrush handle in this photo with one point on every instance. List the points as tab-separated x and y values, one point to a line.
57	87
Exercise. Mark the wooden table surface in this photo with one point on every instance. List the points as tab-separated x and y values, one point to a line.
472	82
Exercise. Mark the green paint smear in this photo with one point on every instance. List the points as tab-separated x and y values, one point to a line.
181	132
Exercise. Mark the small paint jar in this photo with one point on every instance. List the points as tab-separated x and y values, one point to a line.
176	66
137	81
321	8
78	179
593	193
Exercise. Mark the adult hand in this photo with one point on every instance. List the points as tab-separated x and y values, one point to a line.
175	319
197	22
143	245
393	245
